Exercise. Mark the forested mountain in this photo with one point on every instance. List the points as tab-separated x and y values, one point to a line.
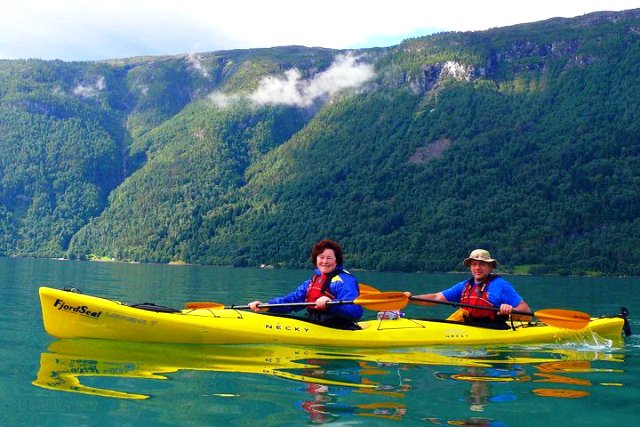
523	140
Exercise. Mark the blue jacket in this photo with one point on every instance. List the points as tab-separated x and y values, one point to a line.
343	286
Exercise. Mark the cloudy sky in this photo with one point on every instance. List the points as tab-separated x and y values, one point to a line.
80	30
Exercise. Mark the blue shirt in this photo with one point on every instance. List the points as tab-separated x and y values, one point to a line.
499	291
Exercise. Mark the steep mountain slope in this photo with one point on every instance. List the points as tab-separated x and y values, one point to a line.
524	140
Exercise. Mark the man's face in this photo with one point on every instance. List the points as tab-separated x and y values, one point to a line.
480	270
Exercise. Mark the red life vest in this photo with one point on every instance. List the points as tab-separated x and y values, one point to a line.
317	408
318	287
478	295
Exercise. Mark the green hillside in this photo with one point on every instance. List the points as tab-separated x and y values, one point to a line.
524	140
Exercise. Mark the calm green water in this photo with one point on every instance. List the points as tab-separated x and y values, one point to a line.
594	383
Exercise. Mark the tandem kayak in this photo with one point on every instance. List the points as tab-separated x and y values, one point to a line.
69	314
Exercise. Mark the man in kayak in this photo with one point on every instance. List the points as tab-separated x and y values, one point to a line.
330	282
483	289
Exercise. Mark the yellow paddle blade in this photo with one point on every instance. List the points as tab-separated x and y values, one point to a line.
569	319
458	315
194	305
367	289
383	301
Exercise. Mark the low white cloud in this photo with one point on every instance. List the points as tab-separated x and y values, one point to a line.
346	72
221	100
289	90
197	65
90	90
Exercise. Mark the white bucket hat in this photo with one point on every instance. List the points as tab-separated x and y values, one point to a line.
480	255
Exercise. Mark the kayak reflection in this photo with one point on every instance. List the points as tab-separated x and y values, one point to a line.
567	370
334	383
69	360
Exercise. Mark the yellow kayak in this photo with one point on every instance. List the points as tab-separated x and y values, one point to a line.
69	314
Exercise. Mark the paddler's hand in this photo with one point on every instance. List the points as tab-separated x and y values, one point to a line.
254	305
505	309
321	302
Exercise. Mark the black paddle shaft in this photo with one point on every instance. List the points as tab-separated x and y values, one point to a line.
290	304
460	304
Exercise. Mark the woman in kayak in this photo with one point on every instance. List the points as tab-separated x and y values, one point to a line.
483	289
330	282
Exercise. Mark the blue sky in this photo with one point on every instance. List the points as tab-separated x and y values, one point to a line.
84	30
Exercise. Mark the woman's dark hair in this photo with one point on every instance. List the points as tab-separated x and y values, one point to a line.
319	247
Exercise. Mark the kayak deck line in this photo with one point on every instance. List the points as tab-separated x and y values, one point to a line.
68	314
214	312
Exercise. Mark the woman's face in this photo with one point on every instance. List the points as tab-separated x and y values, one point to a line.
326	261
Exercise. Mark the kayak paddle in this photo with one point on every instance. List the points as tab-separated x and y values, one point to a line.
568	319
364	290
367	289
381	301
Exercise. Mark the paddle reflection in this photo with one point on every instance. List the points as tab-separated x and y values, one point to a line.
334	384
